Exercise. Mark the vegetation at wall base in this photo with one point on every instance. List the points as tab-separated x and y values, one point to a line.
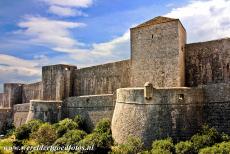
71	132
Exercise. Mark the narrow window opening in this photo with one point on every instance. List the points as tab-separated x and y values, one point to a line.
181	97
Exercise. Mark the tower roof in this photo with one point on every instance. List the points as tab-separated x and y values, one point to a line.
156	20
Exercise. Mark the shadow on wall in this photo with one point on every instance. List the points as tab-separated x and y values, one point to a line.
92	108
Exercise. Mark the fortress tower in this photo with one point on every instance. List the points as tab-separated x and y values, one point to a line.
157	53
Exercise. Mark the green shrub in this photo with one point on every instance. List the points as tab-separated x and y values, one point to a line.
207	137
80	121
45	135
101	141
160	151
64	126
103	126
132	145
8	142
225	137
69	123
61	130
184	147
24	131
201	141
71	137
211	132
165	145
34	125
221	148
7	129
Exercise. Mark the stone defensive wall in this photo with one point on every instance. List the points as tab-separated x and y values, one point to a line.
48	111
5	118
92	108
171	112
4	100
208	62
217	106
102	79
20	113
31	92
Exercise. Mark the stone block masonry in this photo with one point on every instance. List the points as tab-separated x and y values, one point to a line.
208	62
5	119
31	92
92	108
20	112
57	81
174	112
14	92
4	101
217	106
102	79
158	53
47	111
160	57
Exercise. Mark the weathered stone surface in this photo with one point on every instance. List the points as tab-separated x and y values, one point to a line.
102	79
4	100
57	81
47	111
157	54
5	119
20	113
174	112
14	92
217	106
208	62
31	92
92	108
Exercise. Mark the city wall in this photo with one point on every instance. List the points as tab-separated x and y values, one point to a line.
5	119
102	79
171	112
208	62
92	108
20	113
31	92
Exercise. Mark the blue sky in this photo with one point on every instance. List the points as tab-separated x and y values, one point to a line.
88	32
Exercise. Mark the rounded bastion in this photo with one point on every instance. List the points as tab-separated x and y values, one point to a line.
171	112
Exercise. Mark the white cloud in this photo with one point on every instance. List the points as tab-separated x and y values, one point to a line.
70	3
14	69
67	8
115	46
65	11
50	33
204	20
115	49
